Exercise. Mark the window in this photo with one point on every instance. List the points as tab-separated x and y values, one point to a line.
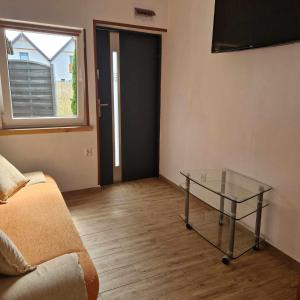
24	56
40	89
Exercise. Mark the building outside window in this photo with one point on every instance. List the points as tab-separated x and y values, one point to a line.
24	56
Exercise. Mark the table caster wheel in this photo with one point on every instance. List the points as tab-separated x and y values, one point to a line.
225	260
189	227
256	248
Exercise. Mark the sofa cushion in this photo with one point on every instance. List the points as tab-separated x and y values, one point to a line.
35	178
38	221
12	261
11	179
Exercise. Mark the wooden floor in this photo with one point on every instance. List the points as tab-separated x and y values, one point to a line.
142	250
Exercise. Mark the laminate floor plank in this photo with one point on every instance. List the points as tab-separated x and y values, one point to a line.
142	250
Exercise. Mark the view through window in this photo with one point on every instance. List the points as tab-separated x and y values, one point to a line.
42	72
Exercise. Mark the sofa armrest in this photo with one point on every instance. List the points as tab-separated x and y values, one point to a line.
59	278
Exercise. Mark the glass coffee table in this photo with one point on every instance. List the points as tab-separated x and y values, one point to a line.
227	198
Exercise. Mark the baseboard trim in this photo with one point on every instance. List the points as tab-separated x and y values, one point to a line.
173	184
89	190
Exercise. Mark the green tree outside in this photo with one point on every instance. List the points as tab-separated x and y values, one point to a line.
74	84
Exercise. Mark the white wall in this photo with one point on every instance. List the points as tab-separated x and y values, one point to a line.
236	110
62	155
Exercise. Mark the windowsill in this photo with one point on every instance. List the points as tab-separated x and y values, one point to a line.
23	131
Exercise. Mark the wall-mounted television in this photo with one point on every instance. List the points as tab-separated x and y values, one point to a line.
247	24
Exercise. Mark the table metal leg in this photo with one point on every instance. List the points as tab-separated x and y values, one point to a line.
221	217
226	259
232	228
223	184
258	220
187	202
220	236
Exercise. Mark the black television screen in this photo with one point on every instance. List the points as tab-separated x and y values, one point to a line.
246	24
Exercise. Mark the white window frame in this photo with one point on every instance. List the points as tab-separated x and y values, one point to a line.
7	121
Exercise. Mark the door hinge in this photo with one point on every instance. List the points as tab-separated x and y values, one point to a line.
98	74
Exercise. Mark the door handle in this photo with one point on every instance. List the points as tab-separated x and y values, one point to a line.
100	107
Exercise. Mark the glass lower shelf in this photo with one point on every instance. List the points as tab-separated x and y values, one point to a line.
244	209
205	221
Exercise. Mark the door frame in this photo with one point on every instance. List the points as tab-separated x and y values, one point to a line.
119	26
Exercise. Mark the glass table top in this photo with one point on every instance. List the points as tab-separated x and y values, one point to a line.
227	183
212	199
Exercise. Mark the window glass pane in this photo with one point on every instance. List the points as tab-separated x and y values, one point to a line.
42	74
116	108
